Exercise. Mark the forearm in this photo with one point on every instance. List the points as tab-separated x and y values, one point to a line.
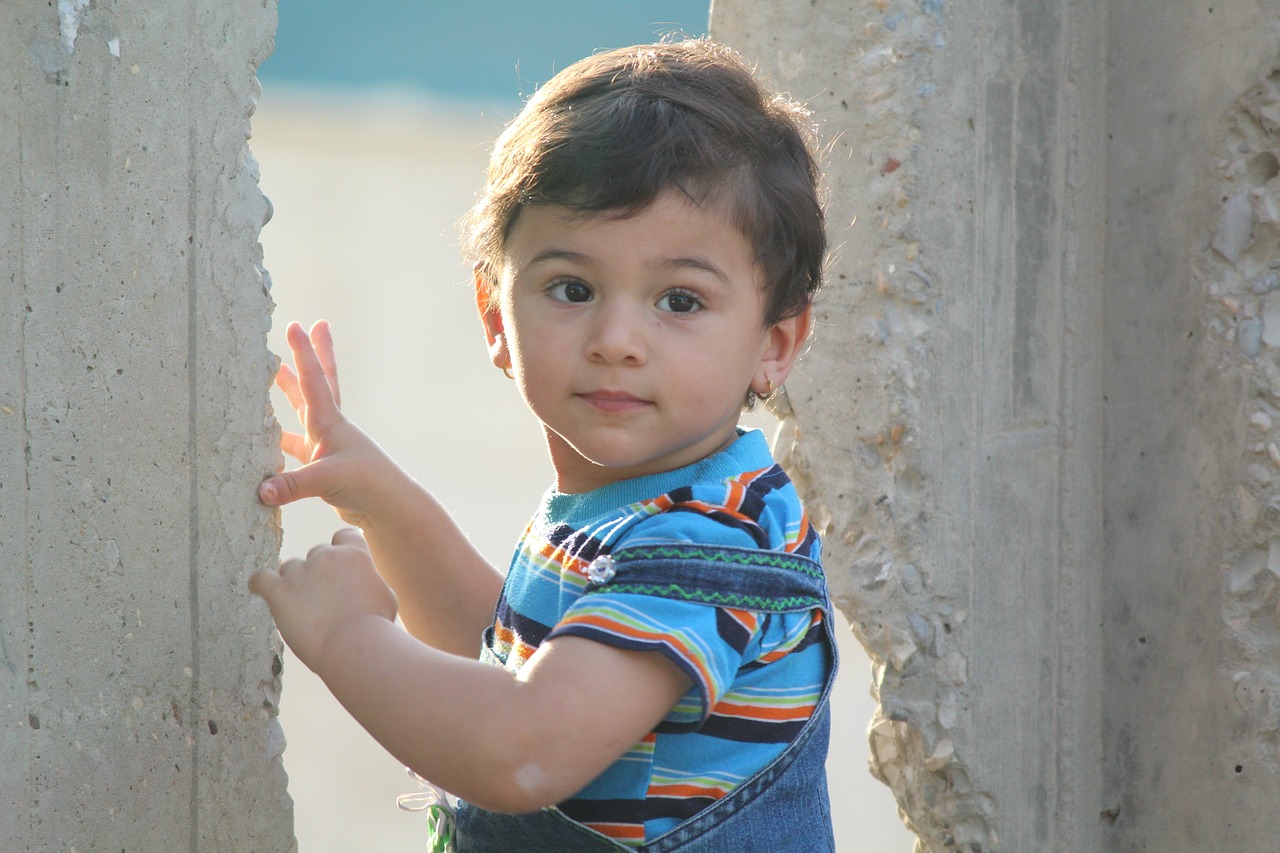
462	724
504	742
447	590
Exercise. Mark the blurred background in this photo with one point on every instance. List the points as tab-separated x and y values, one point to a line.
372	135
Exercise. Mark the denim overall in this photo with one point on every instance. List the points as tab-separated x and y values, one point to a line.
782	808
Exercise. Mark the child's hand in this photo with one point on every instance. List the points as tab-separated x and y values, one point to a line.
312	600
340	464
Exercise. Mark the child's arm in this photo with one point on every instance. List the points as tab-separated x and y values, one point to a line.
446	589
503	742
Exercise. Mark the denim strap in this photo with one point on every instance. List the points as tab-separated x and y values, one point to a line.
745	578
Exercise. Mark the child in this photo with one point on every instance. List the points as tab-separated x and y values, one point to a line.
655	675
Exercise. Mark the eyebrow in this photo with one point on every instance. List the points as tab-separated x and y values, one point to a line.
698	264
677	263
554	254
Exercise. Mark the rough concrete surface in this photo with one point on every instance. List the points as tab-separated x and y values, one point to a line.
1192	489
1036	423
137	678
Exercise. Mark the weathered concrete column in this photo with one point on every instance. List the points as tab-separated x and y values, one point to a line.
1037	420
138	681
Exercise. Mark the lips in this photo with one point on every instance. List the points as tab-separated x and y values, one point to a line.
613	401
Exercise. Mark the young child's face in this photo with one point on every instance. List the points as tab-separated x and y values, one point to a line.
633	340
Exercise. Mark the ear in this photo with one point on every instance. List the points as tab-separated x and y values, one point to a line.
491	318
783	343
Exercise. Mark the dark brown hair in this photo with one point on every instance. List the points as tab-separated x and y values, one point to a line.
609	133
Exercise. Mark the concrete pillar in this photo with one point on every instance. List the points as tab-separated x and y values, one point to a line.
1038	421
138	681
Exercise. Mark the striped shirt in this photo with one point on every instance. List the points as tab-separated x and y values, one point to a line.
757	676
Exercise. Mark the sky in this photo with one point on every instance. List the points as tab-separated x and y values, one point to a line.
490	50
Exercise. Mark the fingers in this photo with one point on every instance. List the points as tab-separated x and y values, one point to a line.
322	340
287	381
350	536
263	582
345	537
296	446
316	391
289	486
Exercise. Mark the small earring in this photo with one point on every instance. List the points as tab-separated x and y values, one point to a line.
497	339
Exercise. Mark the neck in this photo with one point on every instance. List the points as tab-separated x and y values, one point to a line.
576	474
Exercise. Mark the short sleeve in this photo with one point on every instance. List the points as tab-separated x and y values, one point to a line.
707	643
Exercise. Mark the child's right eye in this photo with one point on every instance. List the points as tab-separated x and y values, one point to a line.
569	290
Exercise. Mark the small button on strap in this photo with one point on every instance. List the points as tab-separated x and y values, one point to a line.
601	570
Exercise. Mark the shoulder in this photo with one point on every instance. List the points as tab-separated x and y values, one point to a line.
752	509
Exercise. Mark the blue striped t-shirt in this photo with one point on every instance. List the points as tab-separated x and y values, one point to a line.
757	676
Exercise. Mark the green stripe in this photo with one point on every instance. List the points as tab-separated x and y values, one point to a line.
778	702
723	599
719	555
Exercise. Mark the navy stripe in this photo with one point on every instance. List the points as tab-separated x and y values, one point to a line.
530	631
575	543
816	635
750	528
733	632
602	811
770	481
633	811
751	731
680	808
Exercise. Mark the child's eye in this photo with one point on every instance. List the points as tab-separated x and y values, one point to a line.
569	290
679	302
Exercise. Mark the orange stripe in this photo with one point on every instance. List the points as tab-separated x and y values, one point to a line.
737	491
684	790
801	534
559	557
616	628
630	831
505	636
706	508
764	712
750	477
663	503
745	618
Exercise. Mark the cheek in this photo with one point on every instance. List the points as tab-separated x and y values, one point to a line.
543	358
702	382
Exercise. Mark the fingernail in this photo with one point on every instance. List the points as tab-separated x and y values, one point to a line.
267	492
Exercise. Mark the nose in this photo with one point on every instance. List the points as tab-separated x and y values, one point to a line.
618	335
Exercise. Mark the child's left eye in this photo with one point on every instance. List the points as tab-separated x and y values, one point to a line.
679	302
